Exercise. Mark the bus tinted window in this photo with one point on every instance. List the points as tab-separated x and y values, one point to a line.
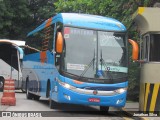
41	41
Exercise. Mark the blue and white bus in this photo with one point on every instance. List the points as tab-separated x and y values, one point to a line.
78	59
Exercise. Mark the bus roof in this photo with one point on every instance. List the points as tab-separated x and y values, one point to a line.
84	21
17	42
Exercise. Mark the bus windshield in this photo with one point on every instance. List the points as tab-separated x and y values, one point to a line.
94	54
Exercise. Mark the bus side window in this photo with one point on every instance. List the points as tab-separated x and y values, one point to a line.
33	43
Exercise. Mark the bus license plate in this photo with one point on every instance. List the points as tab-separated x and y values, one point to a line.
94	100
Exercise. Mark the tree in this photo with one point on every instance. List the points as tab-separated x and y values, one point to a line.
18	17
13	17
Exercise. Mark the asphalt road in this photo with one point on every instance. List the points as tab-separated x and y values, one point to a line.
33	109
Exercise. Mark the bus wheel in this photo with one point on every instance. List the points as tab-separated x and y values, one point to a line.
1	84
51	104
23	91
36	97
28	95
48	89
104	109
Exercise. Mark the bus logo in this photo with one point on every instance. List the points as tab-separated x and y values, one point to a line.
95	92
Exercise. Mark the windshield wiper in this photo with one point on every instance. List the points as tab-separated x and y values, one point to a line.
103	63
88	66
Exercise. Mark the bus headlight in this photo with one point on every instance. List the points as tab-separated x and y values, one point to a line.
121	90
66	85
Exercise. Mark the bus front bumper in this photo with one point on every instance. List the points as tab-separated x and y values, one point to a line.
70	96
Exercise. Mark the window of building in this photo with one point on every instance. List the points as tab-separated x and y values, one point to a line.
145	45
150	50
155	47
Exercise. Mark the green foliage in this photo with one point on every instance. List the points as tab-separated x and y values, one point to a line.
41	10
18	17
13	15
83	6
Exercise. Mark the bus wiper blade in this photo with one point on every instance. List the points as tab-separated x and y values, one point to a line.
105	66
88	66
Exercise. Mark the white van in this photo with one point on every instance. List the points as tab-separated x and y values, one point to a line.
11	55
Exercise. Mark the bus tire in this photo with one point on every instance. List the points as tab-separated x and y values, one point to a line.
53	104
48	89
36	97
28	95
23	91
104	109
1	84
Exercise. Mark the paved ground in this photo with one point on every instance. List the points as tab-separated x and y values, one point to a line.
2	107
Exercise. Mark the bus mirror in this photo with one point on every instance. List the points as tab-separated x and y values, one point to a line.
59	43
135	50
